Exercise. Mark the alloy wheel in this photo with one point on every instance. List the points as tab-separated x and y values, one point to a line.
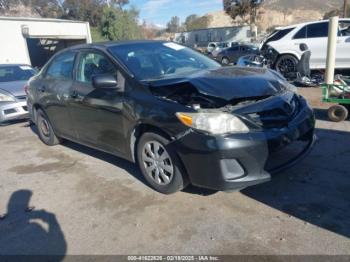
286	65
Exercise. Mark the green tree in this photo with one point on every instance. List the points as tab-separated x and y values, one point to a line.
84	10
119	24
246	9
45	8
174	25
194	22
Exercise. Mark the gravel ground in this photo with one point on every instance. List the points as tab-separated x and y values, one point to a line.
70	199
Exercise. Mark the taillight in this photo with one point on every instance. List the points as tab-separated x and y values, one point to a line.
26	89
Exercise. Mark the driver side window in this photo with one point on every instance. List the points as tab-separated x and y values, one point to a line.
92	64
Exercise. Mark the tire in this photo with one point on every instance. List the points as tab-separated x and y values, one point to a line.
225	61
45	130
286	65
338	113
161	168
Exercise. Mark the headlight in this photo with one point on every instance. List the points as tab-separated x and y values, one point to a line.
214	123
6	98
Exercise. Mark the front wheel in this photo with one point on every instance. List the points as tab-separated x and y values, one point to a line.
160	165
286	65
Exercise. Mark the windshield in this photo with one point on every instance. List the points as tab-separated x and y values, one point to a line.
149	61
16	73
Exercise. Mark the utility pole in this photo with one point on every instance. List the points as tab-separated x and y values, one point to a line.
345	9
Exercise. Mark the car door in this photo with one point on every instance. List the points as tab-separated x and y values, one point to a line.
54	89
343	45
315	37
98	112
233	53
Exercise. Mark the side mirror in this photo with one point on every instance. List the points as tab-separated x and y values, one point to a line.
104	81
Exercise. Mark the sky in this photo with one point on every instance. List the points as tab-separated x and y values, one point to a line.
159	12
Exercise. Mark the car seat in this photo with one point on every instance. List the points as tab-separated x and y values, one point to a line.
303	68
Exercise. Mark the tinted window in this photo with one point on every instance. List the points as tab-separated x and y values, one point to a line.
161	60
279	34
16	73
93	64
344	28
61	66
301	33
234	48
317	30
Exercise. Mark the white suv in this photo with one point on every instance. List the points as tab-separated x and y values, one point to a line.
285	43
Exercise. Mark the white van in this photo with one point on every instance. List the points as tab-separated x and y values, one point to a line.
286	43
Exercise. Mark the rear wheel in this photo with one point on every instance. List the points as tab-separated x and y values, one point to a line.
160	165
45	130
225	61
338	113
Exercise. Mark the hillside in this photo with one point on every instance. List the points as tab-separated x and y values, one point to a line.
316	5
282	12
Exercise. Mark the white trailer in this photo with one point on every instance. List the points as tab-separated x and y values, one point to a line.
33	41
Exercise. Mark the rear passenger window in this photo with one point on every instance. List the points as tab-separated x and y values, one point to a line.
317	30
301	33
280	34
62	66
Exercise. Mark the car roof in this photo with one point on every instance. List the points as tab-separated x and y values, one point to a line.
7	65
104	45
309	23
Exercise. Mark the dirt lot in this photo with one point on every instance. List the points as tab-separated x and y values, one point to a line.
88	202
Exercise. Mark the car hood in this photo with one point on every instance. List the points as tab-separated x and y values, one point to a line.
230	83
15	88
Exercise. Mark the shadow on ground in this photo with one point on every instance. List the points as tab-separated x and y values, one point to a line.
27	231
317	190
129	167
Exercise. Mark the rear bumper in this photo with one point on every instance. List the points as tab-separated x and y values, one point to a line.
238	161
13	111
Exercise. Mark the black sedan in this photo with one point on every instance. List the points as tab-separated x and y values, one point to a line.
232	54
176	113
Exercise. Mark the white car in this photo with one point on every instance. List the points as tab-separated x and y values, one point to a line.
285	43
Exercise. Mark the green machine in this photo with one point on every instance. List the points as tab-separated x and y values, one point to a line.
339	94
336	90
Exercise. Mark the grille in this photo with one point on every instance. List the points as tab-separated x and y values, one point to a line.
9	111
278	117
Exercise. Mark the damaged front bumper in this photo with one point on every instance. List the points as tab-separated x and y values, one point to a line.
237	161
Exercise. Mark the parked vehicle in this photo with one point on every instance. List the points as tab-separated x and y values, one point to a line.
232	54
13	79
182	117
217	46
285	42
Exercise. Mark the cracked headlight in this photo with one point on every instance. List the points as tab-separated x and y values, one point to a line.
6	97
214	123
